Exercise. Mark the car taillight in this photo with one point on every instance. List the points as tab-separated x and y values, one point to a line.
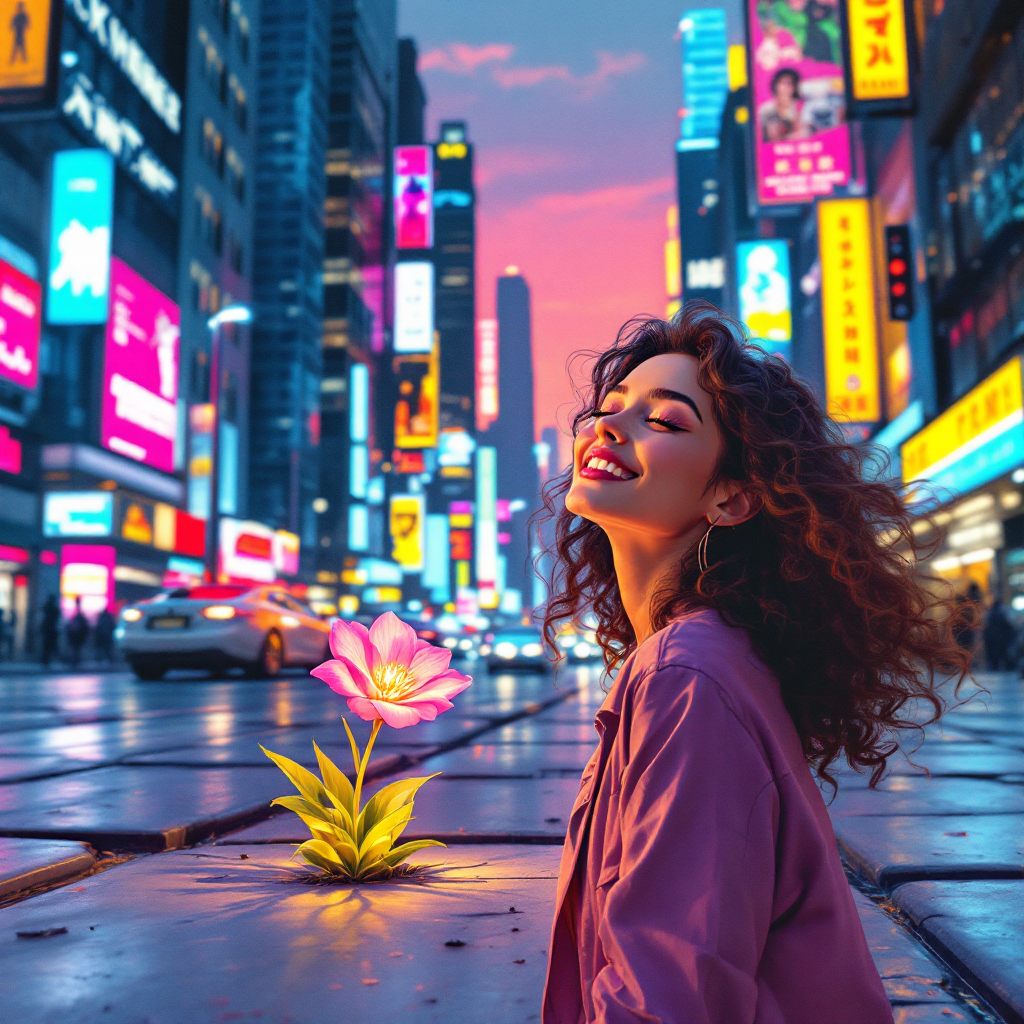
219	611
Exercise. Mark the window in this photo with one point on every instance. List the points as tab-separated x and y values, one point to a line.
208	220
238	103
213	146
236	175
236	254
224	14
216	72
242	30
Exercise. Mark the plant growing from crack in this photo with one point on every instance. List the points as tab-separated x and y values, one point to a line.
388	676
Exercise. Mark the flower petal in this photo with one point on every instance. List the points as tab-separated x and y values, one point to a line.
446	685
351	641
435	704
429	661
398	716
364	708
340	678
394	639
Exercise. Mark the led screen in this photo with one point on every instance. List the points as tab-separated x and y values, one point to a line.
80	218
802	140
418	405
24	57
246	551
78	514
86	578
414	197
140	380
20	298
414	307
763	280
407	531
487	356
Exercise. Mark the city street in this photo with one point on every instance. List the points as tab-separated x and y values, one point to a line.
160	887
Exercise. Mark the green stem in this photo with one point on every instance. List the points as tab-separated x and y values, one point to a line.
362	771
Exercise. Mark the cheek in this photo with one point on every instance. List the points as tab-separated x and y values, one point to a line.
678	468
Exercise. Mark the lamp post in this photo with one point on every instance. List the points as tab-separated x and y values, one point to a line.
228	315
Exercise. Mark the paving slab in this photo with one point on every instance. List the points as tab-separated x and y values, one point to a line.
460	811
914	794
488	760
530	730
909	973
971	759
27	863
38	766
977	927
140	808
207	936
907	848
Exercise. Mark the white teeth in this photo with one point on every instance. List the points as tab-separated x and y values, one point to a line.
610	467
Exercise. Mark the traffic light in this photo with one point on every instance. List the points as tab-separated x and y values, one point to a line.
899	272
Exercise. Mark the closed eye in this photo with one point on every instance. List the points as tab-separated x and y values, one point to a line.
668	424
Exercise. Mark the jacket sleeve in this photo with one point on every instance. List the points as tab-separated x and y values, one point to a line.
687	908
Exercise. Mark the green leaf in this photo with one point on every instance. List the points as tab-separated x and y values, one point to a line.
301	778
393	822
395	857
386	800
355	750
345	849
320	855
336	782
306	808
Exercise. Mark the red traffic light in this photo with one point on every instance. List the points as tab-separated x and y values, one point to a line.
897	267
898	288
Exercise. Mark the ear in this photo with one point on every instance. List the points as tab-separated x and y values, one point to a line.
734	504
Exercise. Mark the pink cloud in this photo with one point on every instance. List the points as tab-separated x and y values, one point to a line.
492	164
515	78
463	58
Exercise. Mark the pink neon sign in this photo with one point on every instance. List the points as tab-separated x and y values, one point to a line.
414	197
801	136
140	379
20	304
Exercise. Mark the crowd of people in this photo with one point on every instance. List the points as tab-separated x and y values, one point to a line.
64	640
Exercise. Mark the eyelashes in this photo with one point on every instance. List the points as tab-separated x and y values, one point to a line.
668	424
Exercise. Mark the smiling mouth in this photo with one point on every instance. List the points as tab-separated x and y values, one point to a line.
599	468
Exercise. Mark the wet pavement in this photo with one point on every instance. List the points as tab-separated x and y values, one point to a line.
186	904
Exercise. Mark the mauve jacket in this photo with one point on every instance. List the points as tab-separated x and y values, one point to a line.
700	881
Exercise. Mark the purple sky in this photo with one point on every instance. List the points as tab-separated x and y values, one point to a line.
572	106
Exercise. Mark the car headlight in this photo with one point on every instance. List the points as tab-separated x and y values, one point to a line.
506	650
465	645
219	611
451	642
131	615
485	649
582	650
532	650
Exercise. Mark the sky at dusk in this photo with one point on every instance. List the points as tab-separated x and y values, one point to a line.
572	108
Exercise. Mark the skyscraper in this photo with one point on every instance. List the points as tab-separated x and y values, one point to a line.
512	433
289	236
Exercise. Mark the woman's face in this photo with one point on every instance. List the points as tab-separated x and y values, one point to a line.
784	90
643	463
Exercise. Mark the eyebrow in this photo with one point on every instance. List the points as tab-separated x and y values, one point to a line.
664	393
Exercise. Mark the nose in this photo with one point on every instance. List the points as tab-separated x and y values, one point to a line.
611	428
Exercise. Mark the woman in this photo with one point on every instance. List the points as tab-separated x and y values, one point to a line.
743	575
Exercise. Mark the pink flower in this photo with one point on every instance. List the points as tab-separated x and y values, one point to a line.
387	672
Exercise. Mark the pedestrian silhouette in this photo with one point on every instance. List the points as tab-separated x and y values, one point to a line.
19	26
103	636
50	628
78	632
1000	639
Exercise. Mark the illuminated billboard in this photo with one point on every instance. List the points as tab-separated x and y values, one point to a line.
246	551
486	517
140	377
407	531
486	373
86	578
848	304
359	402
802	140
20	319
27	65
285	552
414	197
418	407
975	440
414	307
705	77
81	212
878	58
78	514
765	293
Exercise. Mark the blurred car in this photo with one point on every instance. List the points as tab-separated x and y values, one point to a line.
521	647
578	645
260	629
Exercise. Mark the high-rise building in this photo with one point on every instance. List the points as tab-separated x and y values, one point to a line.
412	98
291	190
361	127
512	433
216	232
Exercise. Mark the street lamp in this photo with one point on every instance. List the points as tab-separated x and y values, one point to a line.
228	315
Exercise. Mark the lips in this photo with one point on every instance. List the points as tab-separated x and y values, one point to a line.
602	463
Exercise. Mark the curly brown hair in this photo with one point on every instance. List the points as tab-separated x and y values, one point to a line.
823	578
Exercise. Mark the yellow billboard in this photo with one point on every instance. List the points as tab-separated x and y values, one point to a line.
848	310
879	65
24	44
418	407
407	529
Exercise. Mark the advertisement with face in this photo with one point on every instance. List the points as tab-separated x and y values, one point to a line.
20	299
801	136
140	380
414	197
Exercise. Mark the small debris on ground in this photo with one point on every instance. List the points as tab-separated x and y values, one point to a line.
43	933
454	942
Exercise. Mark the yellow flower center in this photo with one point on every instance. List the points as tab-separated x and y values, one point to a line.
393	682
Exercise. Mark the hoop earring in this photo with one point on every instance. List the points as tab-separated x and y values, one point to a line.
702	548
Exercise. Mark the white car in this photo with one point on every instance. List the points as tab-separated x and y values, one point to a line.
261	629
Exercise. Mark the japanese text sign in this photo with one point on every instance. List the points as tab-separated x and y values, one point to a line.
848	310
879	64
20	299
